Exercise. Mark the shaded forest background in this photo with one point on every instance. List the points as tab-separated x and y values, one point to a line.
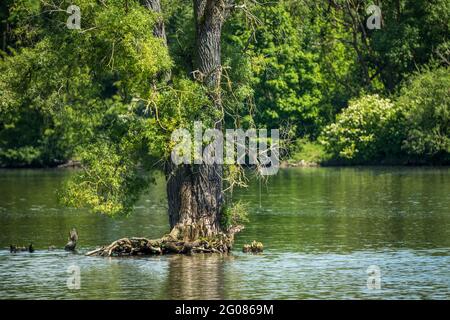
343	93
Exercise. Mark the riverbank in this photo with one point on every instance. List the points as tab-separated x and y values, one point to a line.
307	153
339	163
57	165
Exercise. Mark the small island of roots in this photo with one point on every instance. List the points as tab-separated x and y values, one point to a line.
172	243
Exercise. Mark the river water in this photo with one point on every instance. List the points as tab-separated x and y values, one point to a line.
322	229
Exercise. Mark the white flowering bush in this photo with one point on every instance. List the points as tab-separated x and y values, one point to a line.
365	131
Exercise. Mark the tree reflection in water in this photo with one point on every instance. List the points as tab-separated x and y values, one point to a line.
200	276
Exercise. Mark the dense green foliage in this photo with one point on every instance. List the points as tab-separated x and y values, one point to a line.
285	75
308	152
312	67
59	89
87	94
412	129
364	131
234	215
425	103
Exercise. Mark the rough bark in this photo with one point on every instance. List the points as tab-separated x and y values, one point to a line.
209	17
195	192
195	201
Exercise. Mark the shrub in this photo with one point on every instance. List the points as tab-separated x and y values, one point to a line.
234	215
425	102
366	131
306	150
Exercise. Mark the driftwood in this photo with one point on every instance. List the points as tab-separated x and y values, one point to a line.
170	243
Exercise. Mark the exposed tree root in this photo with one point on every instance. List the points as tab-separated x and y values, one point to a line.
171	243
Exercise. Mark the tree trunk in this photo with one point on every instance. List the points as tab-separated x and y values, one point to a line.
195	192
195	200
209	17
159	29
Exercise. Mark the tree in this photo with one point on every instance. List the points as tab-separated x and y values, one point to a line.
195	192
114	91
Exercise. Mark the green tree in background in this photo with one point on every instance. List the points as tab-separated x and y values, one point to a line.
425	102
285	78
289	63
56	92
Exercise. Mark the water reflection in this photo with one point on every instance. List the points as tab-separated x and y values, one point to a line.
197	277
321	229
346	209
